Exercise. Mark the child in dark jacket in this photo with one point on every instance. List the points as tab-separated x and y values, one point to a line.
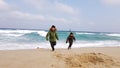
70	39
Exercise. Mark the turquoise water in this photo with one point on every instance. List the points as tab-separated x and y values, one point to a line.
30	39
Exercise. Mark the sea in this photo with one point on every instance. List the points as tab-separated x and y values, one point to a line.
14	39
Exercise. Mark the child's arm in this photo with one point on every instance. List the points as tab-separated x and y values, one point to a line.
74	38
56	36
47	36
67	39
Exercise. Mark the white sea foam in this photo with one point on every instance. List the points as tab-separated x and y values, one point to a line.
29	39
84	33
12	35
42	33
60	44
17	33
118	35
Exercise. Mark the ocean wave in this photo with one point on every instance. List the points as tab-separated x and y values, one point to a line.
117	35
42	33
60	44
17	33
85	33
36	33
24	39
11	35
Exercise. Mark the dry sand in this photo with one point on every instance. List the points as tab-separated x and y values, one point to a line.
61	58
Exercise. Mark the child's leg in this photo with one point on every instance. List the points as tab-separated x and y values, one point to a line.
52	45
70	44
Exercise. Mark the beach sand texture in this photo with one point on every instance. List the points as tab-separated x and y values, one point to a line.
61	58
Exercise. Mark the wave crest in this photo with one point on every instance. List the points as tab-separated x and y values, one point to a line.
84	33
17	33
117	35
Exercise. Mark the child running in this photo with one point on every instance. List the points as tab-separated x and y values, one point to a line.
52	36
70	39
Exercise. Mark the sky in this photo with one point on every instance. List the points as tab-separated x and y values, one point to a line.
78	15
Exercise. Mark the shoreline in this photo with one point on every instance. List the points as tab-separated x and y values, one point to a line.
60	48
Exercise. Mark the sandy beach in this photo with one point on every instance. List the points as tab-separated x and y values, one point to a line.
61	58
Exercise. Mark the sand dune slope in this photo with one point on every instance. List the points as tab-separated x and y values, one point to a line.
89	60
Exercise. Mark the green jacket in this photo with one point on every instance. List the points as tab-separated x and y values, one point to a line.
52	36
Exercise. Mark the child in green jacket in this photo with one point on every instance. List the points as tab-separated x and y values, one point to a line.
52	36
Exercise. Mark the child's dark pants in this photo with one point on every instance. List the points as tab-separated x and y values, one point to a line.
52	45
70	44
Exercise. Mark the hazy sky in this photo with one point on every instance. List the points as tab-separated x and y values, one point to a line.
80	15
